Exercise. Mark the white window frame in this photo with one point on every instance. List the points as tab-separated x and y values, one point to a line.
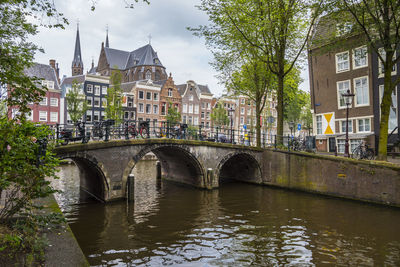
97	90
185	109
139	95
89	88
104	90
355	92
148	111
29	115
42	115
155	96
196	109
337	63
141	107
380	65
90	114
96	112
148	93
54	116
190	108
190	97
155	109
354	57
169	92
43	102
318	123
339	95
242	111
394	98
358	124
350	123
53	102
94	101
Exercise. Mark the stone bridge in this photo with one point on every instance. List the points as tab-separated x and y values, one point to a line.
105	166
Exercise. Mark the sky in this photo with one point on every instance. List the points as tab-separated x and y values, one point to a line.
166	21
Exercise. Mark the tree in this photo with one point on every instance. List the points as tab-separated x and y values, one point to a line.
173	115
278	29
76	102
377	21
219	116
114	98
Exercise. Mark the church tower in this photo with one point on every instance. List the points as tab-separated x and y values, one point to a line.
77	64
107	43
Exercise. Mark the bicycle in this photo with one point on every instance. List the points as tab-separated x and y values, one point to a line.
97	130
143	130
362	152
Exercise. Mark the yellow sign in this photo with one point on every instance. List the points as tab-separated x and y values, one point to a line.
328	118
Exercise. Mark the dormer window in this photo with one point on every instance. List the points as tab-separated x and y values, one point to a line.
148	75
191	98
170	92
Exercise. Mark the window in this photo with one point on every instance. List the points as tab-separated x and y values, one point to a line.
340	145
126	115
242	101
104	102
196	121
89	88
170	92
141	108
241	120
202	114
343	126
43	102
54	116
48	84
184	118
207	124
184	110
97	89
249	112
141	95
190	108
104	90
163	109
148	95
242	111
364	125
361	91
97	102
42	115
360	57
14	112
343	28
148	109
342	88
203	105
54	102
393	108
381	70
96	116
29	115
130	101
342	62
89	116
196	109
190	121
354	143
155	109
208	106
89	101
191	98
319	124
155	96
208	115
148	75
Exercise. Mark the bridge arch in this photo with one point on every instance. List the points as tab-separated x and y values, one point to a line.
92	175
177	164
240	166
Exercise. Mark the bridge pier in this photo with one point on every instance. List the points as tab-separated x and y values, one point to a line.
130	188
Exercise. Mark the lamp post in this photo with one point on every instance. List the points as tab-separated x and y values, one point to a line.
291	126
230	111
348	99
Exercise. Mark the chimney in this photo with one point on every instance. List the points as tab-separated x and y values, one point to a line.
54	65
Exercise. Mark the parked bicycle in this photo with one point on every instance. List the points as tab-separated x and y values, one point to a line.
97	130
66	135
142	130
362	151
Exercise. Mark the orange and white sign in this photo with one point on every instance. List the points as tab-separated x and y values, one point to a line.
328	123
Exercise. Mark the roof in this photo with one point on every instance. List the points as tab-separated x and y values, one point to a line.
69	80
200	89
77	53
181	88
160	82
127	87
43	71
93	70
122	60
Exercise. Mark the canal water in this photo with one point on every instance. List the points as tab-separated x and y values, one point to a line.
236	225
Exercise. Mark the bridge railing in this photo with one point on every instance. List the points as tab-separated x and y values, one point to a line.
130	129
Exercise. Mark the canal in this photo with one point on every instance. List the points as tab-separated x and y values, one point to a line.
236	225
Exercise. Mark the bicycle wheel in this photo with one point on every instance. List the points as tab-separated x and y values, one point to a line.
144	133
356	154
369	154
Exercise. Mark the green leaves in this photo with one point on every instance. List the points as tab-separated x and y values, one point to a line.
114	98
76	102
173	116
219	116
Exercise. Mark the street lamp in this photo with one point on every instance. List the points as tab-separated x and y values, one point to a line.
230	111
348	99
291	126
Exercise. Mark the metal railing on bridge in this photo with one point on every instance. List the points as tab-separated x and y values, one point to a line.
109	130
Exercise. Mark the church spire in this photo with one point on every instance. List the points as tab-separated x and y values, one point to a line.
77	64
107	43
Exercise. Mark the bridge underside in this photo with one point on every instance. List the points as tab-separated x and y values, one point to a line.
240	167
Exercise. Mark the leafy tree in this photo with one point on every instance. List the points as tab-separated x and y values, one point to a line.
277	29
306	116
173	115
219	116
378	22
76	103
114	98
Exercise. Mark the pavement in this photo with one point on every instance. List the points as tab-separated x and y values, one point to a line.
395	160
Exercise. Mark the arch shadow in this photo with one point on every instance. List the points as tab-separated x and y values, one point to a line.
240	166
178	164
92	176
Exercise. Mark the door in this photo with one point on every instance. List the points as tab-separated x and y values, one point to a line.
332	144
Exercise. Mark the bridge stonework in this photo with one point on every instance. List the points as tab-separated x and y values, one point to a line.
105	166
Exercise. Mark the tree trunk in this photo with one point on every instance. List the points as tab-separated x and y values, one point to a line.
385	111
279	109
258	125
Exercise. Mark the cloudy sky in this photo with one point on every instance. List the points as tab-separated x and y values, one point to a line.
183	54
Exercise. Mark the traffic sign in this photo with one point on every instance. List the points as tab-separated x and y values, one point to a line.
299	127
244	126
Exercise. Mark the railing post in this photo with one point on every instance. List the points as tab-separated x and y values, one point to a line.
233	137
83	132
288	143
126	123
57	131
275	142
199	138
217	135
107	137
167	129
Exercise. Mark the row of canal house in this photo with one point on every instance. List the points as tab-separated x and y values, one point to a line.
348	65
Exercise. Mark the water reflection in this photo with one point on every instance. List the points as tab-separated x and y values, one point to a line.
236	225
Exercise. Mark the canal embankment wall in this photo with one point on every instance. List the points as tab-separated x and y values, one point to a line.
371	181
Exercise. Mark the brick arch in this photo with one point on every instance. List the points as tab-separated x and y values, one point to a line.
184	158
241	166
89	166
